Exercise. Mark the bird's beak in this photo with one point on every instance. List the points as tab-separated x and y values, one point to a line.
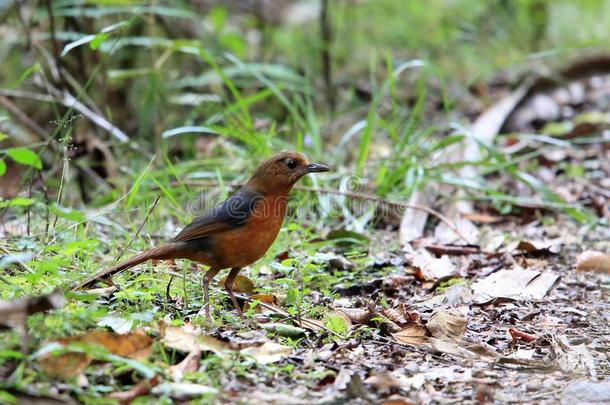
316	167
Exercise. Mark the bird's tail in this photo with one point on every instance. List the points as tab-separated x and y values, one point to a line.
163	252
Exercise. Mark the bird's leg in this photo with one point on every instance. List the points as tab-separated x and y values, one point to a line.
229	287
205	283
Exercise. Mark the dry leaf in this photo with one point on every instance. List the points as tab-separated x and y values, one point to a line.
268	352
538	248
189	364
314	325
483	218
135	345
518	284
593	261
269	299
520	335
186	339
353	315
414	221
383	381
412	334
447	323
430	268
13	313
140	389
242	284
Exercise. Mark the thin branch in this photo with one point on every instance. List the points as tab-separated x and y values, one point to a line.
69	101
139	228
23	117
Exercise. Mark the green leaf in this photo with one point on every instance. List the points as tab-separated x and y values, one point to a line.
17	202
25	157
2	167
68	213
98	40
3	136
336	323
218	17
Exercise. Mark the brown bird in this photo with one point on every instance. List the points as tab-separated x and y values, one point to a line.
235	233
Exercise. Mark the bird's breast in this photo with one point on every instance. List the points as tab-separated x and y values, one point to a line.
244	245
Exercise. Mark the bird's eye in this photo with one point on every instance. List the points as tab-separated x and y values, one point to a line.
291	163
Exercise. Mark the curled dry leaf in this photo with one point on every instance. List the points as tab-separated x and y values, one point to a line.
355	315
516	334
538	248
242	284
140	389
135	345
447	324
412	334
189	364
394	315
593	261
269	299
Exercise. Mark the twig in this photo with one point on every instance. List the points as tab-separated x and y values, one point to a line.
69	101
22	117
350	194
140	227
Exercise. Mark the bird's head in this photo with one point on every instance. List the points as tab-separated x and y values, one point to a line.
278	174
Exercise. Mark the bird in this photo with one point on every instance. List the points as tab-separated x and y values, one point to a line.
235	233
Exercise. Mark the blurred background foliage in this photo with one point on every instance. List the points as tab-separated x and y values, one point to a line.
115	95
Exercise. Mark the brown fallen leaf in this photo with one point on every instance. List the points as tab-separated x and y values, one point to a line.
189	364
354	315
135	345
593	261
516	335
187	339
270	299
140	389
447	324
412	334
483	218
538	248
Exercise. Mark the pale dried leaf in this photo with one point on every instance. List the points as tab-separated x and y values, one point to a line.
413	221
430	268
412	334
189	364
448	324
517	284
593	261
136	345
268	352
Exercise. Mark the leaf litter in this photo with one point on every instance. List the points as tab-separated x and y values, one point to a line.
506	319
